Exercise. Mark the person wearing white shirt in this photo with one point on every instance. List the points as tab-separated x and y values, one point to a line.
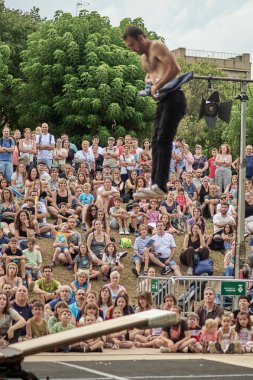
45	144
95	142
161	250
222	218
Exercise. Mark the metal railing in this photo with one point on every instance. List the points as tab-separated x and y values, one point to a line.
212	54
189	290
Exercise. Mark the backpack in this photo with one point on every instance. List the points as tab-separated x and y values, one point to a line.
125	243
50	138
2	140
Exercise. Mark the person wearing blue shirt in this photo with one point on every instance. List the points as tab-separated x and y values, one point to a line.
249	162
80	299
86	199
7	146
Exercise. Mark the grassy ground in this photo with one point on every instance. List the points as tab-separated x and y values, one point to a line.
127	278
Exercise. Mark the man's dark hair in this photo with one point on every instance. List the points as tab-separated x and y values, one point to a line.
47	267
133	31
244	298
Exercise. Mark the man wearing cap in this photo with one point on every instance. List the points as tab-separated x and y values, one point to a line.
111	154
45	144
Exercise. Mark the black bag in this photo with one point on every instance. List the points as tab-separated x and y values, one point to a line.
126	198
217	244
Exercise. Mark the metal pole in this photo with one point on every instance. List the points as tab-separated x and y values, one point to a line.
240	243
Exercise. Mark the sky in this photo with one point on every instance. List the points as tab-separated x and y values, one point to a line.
211	25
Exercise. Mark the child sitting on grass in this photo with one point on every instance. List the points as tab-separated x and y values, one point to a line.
37	325
119	339
118	217
175	338
95	344
60	244
138	257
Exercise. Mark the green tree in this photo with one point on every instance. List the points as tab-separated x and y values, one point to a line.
197	131
80	77
15	27
7	83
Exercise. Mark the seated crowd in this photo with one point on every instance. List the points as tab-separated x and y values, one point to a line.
49	189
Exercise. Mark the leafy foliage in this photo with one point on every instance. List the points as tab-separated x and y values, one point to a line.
78	74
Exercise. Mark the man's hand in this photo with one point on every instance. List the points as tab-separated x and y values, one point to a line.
153	90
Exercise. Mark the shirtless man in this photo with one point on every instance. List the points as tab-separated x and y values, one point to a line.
161	67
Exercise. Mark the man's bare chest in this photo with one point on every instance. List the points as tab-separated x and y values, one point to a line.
149	63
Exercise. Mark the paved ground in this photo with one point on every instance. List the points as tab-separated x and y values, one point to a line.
131	364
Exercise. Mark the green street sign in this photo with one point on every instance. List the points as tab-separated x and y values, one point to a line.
154	285
233	288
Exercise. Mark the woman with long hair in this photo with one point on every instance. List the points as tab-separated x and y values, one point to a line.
104	301
24	227
194	244
223	173
117	182
10	320
130	184
91	216
97	181
102	217
18	181
11	277
96	242
8	210
27	148
122	301
62	194
32	175
70	152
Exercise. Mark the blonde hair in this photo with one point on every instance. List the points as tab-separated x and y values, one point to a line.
209	323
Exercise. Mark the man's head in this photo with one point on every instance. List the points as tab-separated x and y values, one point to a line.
179	142
7	289
47	271
80	296
160	227
209	295
44	128
13	243
65	292
85	145
198	173
188	177
21	294
71	222
111	141
213	188
244	302
224	208
135	39
249	150
6	132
